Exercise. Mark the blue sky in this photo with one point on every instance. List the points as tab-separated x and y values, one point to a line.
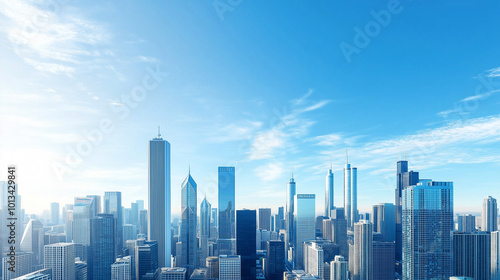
263	86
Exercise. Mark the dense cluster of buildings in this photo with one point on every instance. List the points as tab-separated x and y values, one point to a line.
416	237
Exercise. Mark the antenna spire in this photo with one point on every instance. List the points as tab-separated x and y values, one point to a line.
331	163
292	171
346	156
159	134
189	169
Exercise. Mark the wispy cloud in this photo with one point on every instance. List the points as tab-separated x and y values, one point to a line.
271	171
50	41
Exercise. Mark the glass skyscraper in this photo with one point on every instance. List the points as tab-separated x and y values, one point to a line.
363	251
495	255
471	254
246	248
275	260
304	225
427	230
83	213
384	221
226	211
329	194
113	205
102	246
489	215
351	194
189	212
290	200
159	198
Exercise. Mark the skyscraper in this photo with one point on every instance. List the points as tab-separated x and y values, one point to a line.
205	212
68	224
113	205
229	267
489	215
246	224
22	264
33	240
384	221
275	260
384	260
466	223
427	226
304	225
102	246
159	198
363	251
97	203
471	254
495	255
339	269
329	194
83	213
405	178
174	273
146	258
226	211
122	269
54	213
351	194
290	200
265	218
188	225
60	257
143	222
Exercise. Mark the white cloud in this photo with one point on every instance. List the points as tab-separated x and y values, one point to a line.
270	172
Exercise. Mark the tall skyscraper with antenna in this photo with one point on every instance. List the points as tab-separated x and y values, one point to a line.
350	193
290	194
329	196
159	197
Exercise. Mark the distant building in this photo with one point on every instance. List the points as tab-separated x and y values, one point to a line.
174	273
229	267
122	269
265	218
304	223
489	215
246	224
227	211
466	223
339	269
23	265
102	246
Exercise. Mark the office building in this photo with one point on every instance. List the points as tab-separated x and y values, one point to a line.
159	198
329	193
146	259
265	218
304	224
384	221
229	267
226	211
427	227
363	251
60	257
466	223
495	255
275	260
246	224
174	273
489	215
188	224
83	212
33	240
384	258
42	274
23	265
122	269
472	254
81	270
339	269
97	203
289	222
212	264
54	213
102	246
113	205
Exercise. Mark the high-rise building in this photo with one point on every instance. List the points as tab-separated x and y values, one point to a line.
214	219
427	226
205	215
275	260
102	246
246	224
384	260
471	254
351	194
60	257
335	230
304	225
495	255
329	193
229	267
363	251
212	264
113	205
54	213
83	213
265	218
42	274
143	222
466	223
188	225
33	240
122	269
489	215
159	198
226	211
313	257
81	270
23	264
405	179
384	221
146	258
339	269
289	212
134	213
129	232
97	203
174	273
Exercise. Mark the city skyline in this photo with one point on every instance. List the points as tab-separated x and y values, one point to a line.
312	109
